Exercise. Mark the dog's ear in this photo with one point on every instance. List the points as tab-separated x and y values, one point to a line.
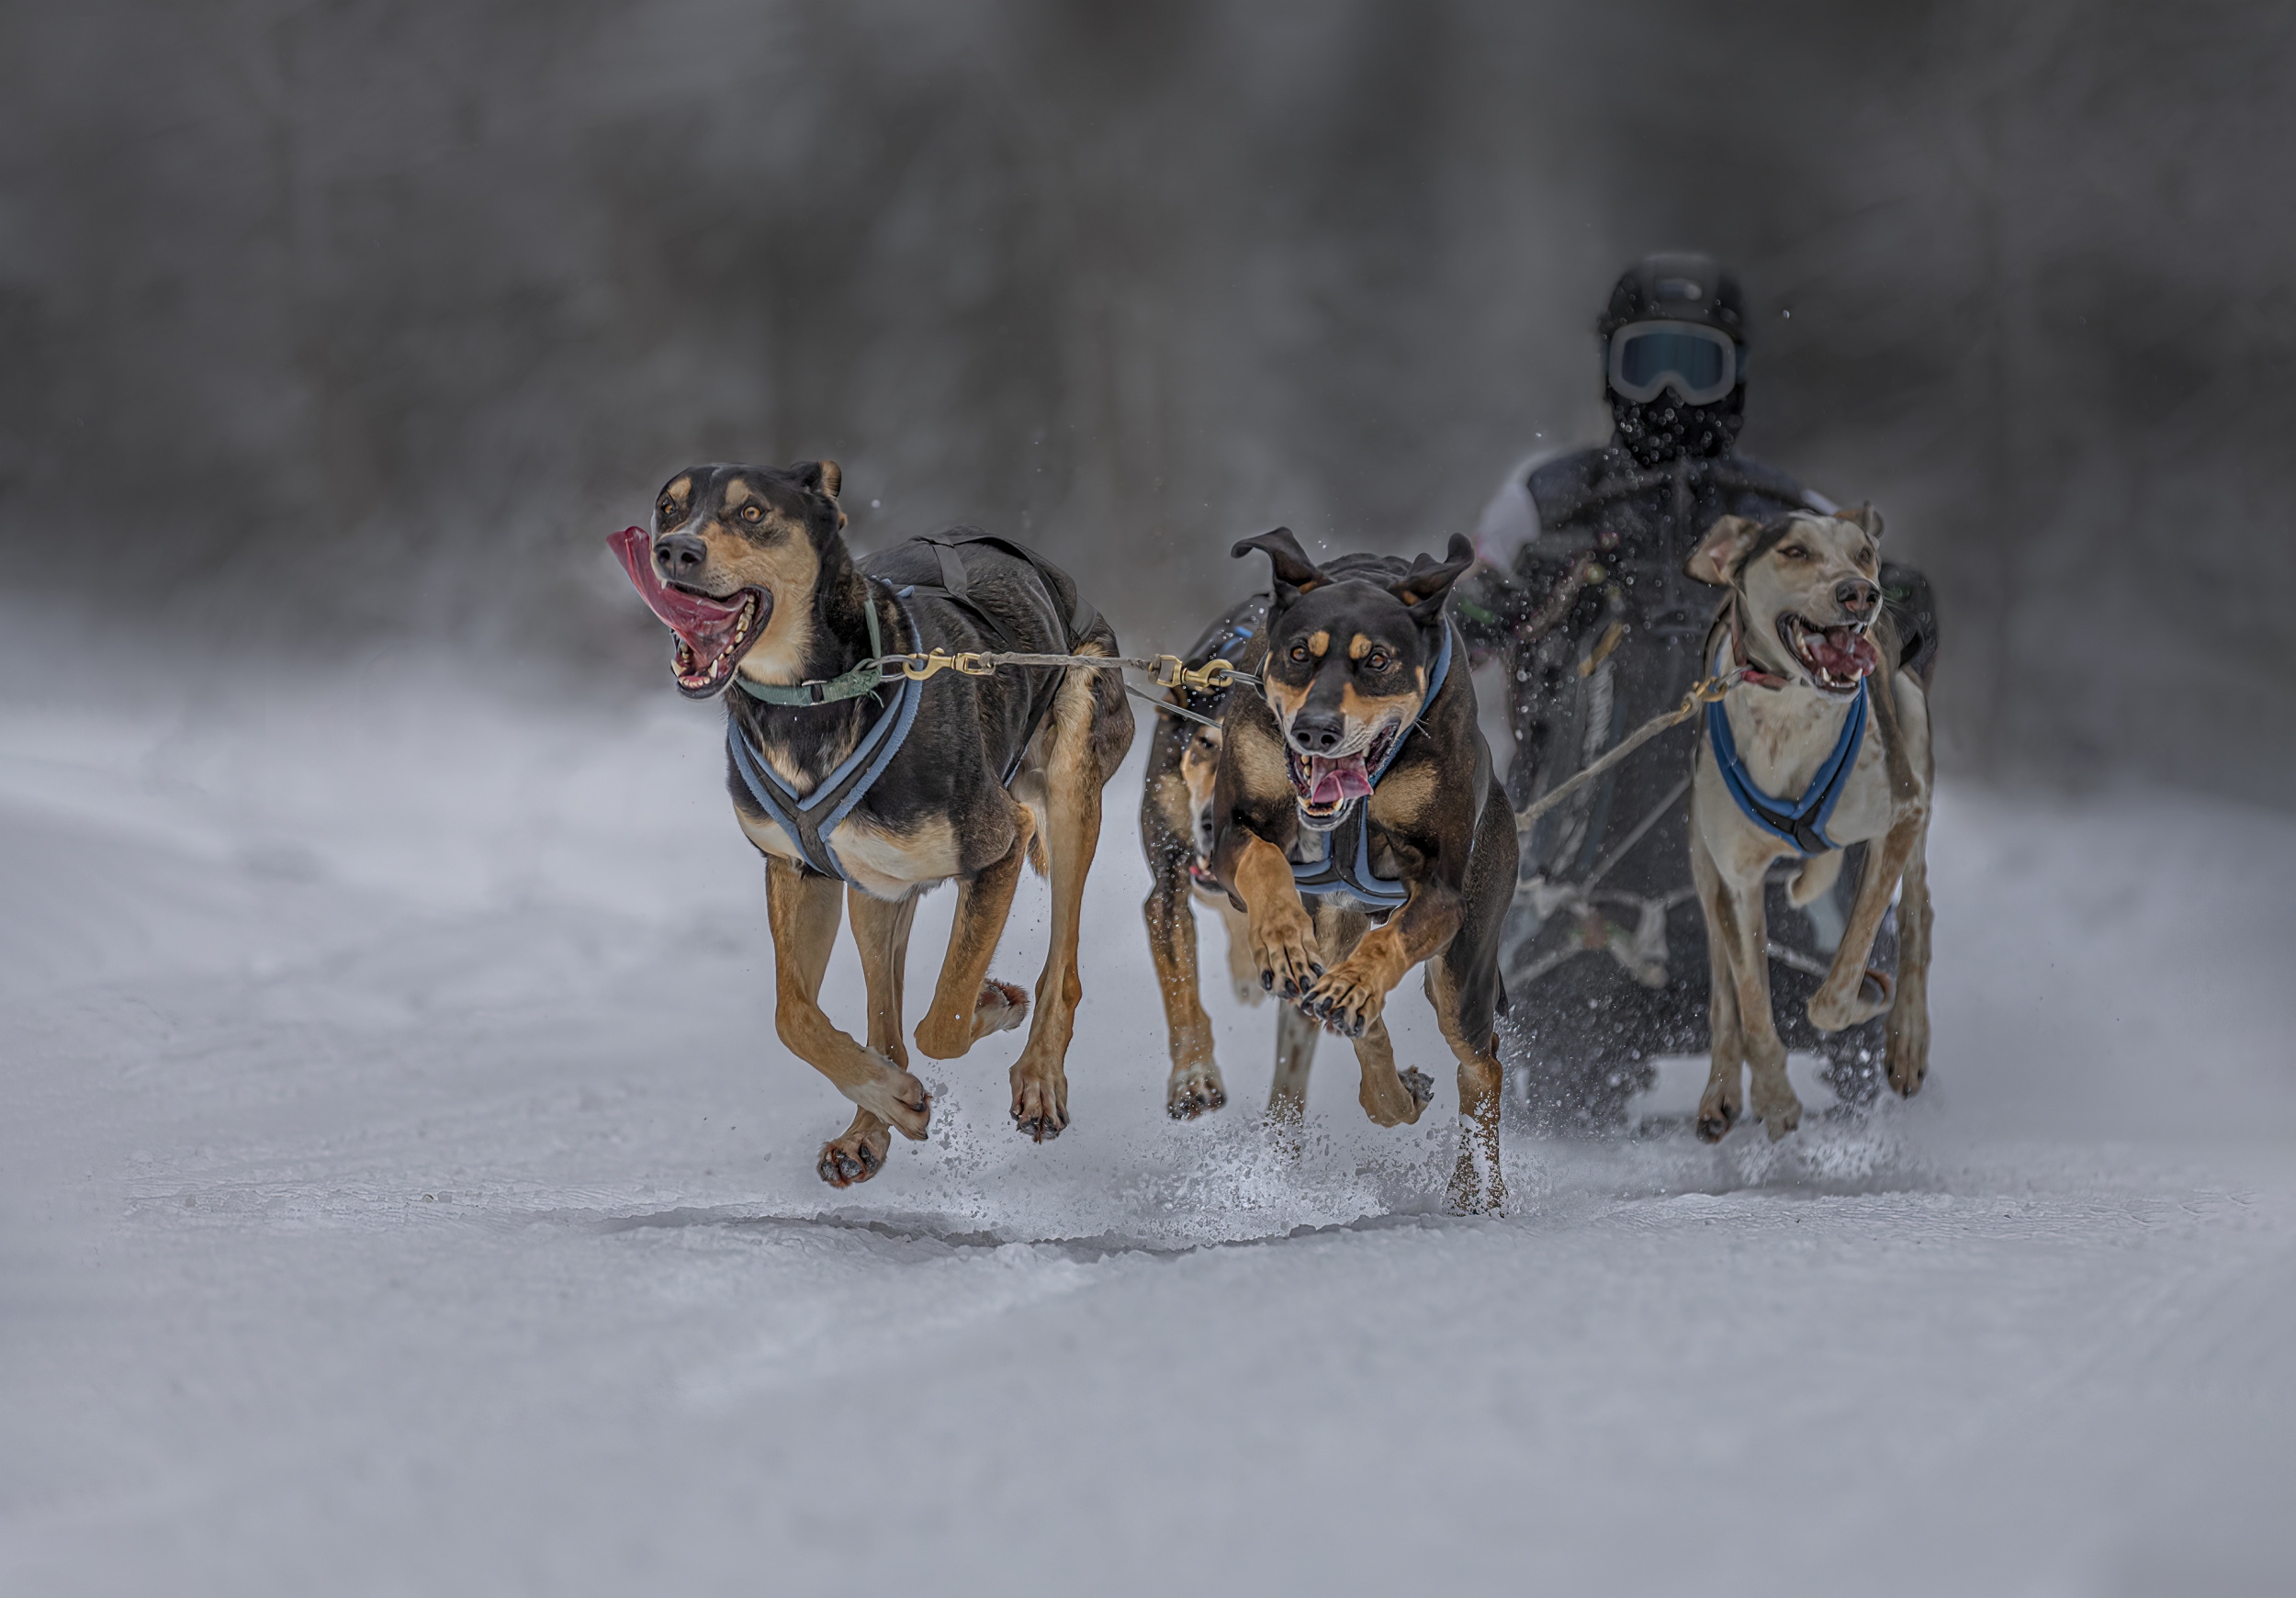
1295	573
826	478
1715	559
1428	583
1866	518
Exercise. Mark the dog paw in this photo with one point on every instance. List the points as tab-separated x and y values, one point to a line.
1779	1112
1717	1113
998	1007
855	1157
900	1100
1039	1104
1343	1002
1832	1012
1399	1100
1194	1091
1284	949
1907	1070
1001	1007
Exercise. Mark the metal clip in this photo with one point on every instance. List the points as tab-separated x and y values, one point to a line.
968	662
1714	688
1171	672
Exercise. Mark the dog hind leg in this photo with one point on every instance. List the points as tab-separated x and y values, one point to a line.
1074	776
1243	972
967	1006
802	913
1388	1098
1909	1029
1476	1185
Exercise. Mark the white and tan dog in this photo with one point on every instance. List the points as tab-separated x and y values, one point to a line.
1823	743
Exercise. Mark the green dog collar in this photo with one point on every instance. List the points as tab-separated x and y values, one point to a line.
861	679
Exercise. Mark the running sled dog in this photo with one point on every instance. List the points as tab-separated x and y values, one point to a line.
1826	709
1357	825
1175	833
861	784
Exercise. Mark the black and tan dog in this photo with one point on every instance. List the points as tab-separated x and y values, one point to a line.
869	789
1823	743
1356	787
1175	832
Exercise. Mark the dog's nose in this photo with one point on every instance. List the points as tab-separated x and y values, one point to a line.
1857	596
1317	734
680	555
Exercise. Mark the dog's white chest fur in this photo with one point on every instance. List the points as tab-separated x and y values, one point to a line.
1783	736
881	864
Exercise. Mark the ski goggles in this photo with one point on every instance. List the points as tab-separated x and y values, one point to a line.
1701	363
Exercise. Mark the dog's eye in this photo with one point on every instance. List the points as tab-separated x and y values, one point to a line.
1378	661
668	510
751	513
1298	654
1795	552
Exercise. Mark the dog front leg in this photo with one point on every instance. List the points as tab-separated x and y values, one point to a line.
1725	1098
1747	926
967	1006
1283	938
1850	992
801	912
1909	1029
881	930
1351	996
1295	1054
1194	1086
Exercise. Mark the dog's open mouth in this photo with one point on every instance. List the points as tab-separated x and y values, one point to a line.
1323	787
714	630
1836	657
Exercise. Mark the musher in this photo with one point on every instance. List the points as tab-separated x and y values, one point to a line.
1580	587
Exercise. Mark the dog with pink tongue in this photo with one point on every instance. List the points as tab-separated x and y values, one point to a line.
1357	823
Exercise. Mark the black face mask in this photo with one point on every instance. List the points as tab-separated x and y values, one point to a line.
1659	431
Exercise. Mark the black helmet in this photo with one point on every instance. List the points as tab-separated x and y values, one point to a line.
1679	388
1695	288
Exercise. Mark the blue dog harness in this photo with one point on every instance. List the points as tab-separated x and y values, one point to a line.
1801	823
810	819
1347	863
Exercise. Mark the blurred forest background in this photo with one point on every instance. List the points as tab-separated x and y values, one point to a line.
350	325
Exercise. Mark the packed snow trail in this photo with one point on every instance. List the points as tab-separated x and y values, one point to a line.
401	1190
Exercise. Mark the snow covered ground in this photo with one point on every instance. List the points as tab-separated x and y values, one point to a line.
401	1191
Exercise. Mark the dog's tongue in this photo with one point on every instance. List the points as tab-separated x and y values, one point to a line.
1844	652
690	615
1334	782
